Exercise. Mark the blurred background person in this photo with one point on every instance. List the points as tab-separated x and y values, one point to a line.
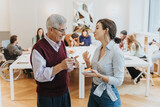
85	38
40	35
14	51
123	45
134	49
13	48
156	54
71	40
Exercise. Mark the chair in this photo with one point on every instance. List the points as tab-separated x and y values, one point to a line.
156	68
144	72
4	66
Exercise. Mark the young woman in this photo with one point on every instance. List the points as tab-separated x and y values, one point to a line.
40	35
134	49
107	67
85	38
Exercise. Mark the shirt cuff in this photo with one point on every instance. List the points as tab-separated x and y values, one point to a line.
48	73
111	81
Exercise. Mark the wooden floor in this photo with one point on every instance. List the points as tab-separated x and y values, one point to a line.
25	93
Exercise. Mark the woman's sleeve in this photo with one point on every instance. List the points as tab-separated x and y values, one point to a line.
118	70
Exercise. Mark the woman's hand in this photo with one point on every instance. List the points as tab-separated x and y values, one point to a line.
93	73
76	64
86	56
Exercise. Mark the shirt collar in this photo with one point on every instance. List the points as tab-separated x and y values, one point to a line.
53	44
109	45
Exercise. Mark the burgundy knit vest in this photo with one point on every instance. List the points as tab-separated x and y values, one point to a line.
59	85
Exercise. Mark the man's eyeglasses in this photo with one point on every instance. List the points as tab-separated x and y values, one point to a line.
60	30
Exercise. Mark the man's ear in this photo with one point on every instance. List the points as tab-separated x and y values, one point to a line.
50	29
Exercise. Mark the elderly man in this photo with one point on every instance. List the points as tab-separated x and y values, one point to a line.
50	64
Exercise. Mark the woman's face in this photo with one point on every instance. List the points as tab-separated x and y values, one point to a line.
99	32
40	32
84	33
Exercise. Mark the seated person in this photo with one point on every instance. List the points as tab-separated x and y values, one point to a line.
134	49
71	40
85	38
13	49
40	35
156	54
123	45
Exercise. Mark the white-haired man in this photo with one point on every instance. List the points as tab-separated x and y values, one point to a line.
50	64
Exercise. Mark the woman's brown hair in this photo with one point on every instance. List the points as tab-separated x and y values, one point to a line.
85	30
131	39
107	23
37	36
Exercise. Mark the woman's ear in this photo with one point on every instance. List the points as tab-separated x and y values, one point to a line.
107	29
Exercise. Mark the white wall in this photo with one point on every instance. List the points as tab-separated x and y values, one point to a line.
138	15
115	10
4	15
23	20
26	16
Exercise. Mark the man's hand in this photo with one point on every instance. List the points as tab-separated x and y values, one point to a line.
67	63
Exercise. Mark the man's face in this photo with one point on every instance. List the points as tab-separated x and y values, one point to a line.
16	42
58	33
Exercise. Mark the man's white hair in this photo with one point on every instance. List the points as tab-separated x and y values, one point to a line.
55	20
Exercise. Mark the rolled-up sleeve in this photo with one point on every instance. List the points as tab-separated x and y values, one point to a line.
118	70
41	72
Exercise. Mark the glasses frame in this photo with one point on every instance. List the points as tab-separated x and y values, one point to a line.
60	30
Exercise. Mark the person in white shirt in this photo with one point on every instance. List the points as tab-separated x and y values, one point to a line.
134	49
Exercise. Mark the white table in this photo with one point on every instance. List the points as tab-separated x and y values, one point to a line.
137	62
23	62
134	62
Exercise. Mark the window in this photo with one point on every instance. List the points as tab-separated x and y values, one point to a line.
154	16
